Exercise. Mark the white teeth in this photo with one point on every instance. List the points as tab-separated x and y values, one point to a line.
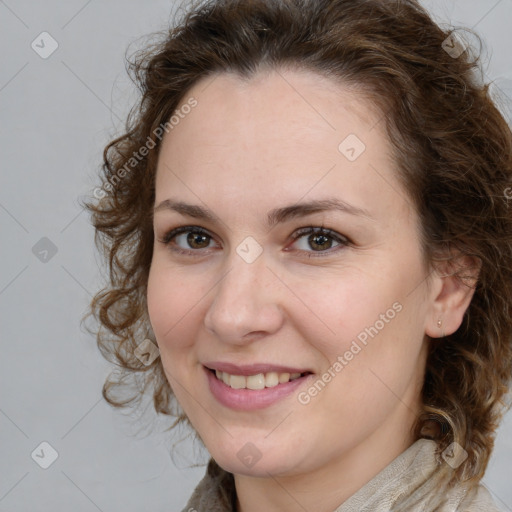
255	382
284	377
236	381
271	379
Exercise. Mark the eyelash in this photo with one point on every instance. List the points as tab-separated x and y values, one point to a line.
299	233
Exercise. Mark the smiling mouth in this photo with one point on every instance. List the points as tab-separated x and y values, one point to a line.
257	381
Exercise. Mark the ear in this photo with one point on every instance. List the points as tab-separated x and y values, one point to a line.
452	288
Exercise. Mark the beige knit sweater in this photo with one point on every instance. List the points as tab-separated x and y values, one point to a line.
409	483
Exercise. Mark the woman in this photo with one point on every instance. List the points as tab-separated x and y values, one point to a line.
308	215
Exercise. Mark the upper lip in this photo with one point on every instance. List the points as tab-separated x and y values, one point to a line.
251	369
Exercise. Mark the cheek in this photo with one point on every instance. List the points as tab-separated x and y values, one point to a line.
334	310
173	301
368	318
174	305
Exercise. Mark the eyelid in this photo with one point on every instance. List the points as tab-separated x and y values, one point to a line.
168	235
313	230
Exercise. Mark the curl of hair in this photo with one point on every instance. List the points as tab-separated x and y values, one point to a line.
453	151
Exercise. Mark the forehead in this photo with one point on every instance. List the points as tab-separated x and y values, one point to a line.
289	132
303	102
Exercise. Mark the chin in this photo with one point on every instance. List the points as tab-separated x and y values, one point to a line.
250	460
260	469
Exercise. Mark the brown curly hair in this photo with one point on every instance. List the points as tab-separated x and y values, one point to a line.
453	151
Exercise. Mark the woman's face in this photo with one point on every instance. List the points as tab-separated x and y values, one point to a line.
248	289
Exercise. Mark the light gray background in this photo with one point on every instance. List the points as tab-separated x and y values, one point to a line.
57	114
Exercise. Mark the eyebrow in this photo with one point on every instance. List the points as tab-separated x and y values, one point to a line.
276	216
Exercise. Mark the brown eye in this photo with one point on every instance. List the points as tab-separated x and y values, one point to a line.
318	240
197	240
187	240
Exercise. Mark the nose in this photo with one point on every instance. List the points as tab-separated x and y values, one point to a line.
246	303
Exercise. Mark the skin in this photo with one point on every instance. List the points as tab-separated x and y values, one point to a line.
246	148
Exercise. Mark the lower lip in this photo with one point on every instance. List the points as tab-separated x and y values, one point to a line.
250	399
